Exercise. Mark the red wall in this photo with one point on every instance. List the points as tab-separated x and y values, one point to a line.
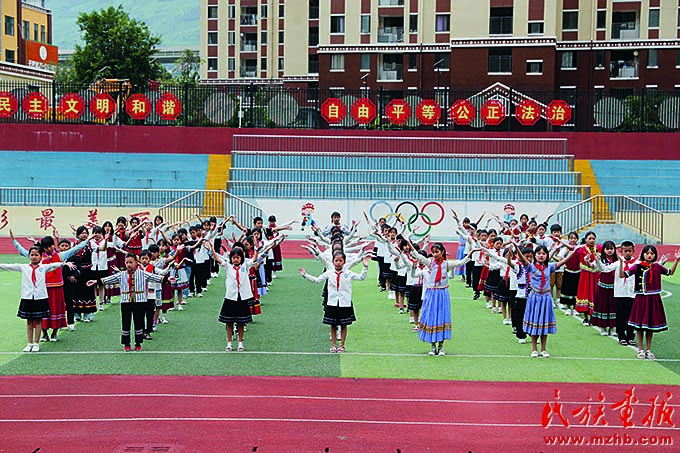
149	139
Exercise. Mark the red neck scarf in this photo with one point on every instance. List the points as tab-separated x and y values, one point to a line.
626	267
33	276
541	268
647	267
507	277
337	279
438	277
591	251
238	277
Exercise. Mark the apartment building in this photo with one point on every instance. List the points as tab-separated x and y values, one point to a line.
468	45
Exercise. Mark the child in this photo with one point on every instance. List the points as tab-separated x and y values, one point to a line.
338	310
415	278
585	295
520	301
572	273
506	289
539	317
479	259
133	298
604	308
493	276
180	281
647	314
557	278
100	266
34	305
85	301
434	326
624	295
145	258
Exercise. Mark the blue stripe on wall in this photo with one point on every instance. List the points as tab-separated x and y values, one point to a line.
637	177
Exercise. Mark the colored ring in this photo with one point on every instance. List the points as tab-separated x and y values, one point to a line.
441	218
406	203
398	216
414	217
370	212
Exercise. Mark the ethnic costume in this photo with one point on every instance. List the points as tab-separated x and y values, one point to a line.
585	296
84	300
539	316
604	308
647	312
570	280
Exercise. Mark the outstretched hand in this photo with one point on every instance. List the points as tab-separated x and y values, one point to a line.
91	282
71	266
302	271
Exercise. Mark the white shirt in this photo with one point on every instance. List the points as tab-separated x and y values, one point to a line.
500	263
29	290
99	257
339	289
201	254
242	286
623	287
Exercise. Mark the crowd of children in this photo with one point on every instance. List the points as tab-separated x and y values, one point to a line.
523	273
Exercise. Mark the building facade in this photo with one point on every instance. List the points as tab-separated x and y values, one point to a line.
535	45
26	52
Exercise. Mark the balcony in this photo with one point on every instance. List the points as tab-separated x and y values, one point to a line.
391	34
625	30
390	2
390	72
248	19
248	71
313	12
248	46
624	70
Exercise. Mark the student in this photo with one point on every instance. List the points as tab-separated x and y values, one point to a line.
479	259
70	278
417	276
167	293
180	281
145	263
572	273
557	278
520	300
275	263
100	266
587	283
338	310
493	277
34	306
161	264
647	314
113	245
85	302
434	326
539	317
506	289
604	308
133	298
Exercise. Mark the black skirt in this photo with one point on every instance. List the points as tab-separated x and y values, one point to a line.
385	271
398	283
503	294
415	298
34	309
338	316
237	311
492	281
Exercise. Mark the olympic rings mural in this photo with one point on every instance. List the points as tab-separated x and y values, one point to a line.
409	213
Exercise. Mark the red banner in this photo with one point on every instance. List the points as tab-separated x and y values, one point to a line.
462	112
428	112
8	105
36	105
528	113
333	110
102	106
169	107
363	111
398	111
558	113
493	112
138	106
71	106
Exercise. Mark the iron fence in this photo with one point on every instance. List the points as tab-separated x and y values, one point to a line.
270	105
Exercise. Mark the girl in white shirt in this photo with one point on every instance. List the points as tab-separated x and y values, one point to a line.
34	305
338	310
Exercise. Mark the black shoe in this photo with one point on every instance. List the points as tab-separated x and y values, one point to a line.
475	297
382	289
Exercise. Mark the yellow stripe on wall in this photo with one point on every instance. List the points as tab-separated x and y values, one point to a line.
588	178
216	179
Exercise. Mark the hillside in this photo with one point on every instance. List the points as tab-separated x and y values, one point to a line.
176	21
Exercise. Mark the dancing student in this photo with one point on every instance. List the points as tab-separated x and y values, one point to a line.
585	296
479	259
70	278
570	279
201	262
34	305
539	316
275	263
462	243
401	266
389	260
133	283
519	304
604	307
113	245
506	289
167	293
382	257
261	276
434	325
248	246
557	278
146	263
100	264
647	315
121	234
493	276
135	235
85	301
417	276
180	281
54	282
624	294
339	310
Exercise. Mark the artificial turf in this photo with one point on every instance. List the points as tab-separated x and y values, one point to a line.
288	339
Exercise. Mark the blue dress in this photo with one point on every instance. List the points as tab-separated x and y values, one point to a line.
539	316
434	324
460	270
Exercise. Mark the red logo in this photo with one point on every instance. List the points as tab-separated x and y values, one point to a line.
363	111
428	112
333	110
462	112
398	111
493	112
36	105
71	106
138	106
102	106
558	113
528	113
8	104
169	107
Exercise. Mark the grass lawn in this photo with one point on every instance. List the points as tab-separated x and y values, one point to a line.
288	339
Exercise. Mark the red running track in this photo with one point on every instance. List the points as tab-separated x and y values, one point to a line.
275	414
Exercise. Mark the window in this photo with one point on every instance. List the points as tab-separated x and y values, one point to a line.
677	58
413	23
570	20
535	67
313	36
625	25
535	28
337	62
280	63
43	35
231	64
212	12
599	59
212	64
263	11
263	64
281	37
9	56
568	60
653	18
568	94
313	9
442	23
500	60
26	30
212	37
281	14
412	62
365	62
9	26
313	64
313	91
652	58
231	38
442	61
35	32
263	37
231	10
365	24
601	19
337	24
500	21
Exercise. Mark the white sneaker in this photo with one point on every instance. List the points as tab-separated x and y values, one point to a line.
522	341
180	308
71	327
213	275
274	276
164	320
391	295
35	347
433	351
190	294
28	347
604	333
507	322
567	312
411	320
200	295
100	307
488	305
208	282
441	352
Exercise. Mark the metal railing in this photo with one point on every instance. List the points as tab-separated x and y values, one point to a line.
613	209
207	203
391	34
663	203
92	197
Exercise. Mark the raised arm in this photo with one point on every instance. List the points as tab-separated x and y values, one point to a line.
564	260
72	251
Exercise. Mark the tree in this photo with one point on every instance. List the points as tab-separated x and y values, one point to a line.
187	67
115	46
